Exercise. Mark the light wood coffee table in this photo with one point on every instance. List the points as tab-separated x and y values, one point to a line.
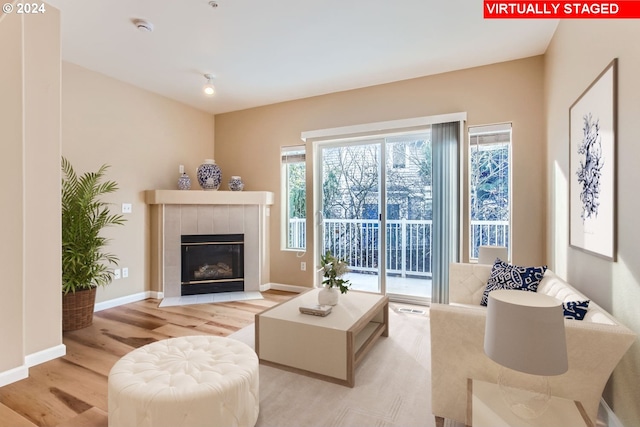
327	348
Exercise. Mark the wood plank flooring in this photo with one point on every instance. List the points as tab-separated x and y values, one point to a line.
72	390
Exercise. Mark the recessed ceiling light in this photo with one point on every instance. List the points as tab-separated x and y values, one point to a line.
143	25
213	4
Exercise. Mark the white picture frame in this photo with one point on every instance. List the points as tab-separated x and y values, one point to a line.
593	167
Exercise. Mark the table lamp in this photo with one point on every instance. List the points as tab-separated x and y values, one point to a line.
525	334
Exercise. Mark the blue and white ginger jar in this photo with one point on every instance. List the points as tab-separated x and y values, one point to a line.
184	182
209	175
236	184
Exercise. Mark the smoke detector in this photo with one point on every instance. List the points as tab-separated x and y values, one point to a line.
143	25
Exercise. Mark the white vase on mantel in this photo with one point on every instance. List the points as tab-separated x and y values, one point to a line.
328	296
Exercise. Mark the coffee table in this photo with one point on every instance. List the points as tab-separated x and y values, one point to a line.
328	348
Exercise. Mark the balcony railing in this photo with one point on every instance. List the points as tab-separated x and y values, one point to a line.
297	234
408	242
491	233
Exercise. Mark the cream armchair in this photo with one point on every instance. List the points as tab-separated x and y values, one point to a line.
595	345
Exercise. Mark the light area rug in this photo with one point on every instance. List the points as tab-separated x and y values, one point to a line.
392	388
210	298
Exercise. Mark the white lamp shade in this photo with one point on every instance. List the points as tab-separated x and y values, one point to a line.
525	332
488	254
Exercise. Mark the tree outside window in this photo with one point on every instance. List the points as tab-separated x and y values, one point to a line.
489	185
294	189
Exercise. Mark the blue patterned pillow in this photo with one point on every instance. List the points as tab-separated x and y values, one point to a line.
575	310
508	276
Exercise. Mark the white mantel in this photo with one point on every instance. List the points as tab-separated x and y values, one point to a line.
178	212
201	197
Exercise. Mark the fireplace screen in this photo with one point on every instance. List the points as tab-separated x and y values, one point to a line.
212	263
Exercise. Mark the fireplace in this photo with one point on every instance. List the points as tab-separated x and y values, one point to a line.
212	263
174	213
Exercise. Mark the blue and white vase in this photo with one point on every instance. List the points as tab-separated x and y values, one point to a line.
236	184
209	175
184	182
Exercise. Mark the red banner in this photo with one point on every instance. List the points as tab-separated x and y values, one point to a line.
561	9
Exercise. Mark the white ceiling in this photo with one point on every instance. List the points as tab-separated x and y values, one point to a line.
263	52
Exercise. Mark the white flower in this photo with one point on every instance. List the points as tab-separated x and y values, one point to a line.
341	268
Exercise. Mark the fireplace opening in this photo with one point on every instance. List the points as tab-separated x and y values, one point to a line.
212	263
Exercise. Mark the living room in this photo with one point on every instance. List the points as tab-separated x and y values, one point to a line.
92	119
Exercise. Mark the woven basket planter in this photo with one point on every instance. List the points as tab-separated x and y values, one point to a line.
77	309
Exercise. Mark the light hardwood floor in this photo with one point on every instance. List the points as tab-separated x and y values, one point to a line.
72	390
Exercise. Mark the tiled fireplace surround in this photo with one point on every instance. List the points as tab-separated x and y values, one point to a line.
174	213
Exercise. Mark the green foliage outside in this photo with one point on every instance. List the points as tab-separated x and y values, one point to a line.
490	183
297	190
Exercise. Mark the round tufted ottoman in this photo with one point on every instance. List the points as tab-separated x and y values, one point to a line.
188	381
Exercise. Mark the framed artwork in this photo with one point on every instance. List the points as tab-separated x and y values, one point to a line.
592	166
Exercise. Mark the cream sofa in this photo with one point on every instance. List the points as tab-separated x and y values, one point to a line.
595	345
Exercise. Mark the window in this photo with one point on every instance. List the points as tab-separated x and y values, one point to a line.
294	202
432	238
489	186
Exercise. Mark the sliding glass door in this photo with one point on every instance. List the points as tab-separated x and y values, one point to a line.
408	216
350	211
376	212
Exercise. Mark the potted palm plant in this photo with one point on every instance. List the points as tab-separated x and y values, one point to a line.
85	264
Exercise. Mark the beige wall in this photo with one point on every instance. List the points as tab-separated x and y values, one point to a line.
248	142
579	51
42	149
144	137
30	307
11	196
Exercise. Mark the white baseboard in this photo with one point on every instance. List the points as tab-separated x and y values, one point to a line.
281	287
13	375
45	355
126	300
22	372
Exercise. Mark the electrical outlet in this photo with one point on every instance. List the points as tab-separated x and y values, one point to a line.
125	272
303	266
126	208
116	273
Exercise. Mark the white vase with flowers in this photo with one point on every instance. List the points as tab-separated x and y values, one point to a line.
332	270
